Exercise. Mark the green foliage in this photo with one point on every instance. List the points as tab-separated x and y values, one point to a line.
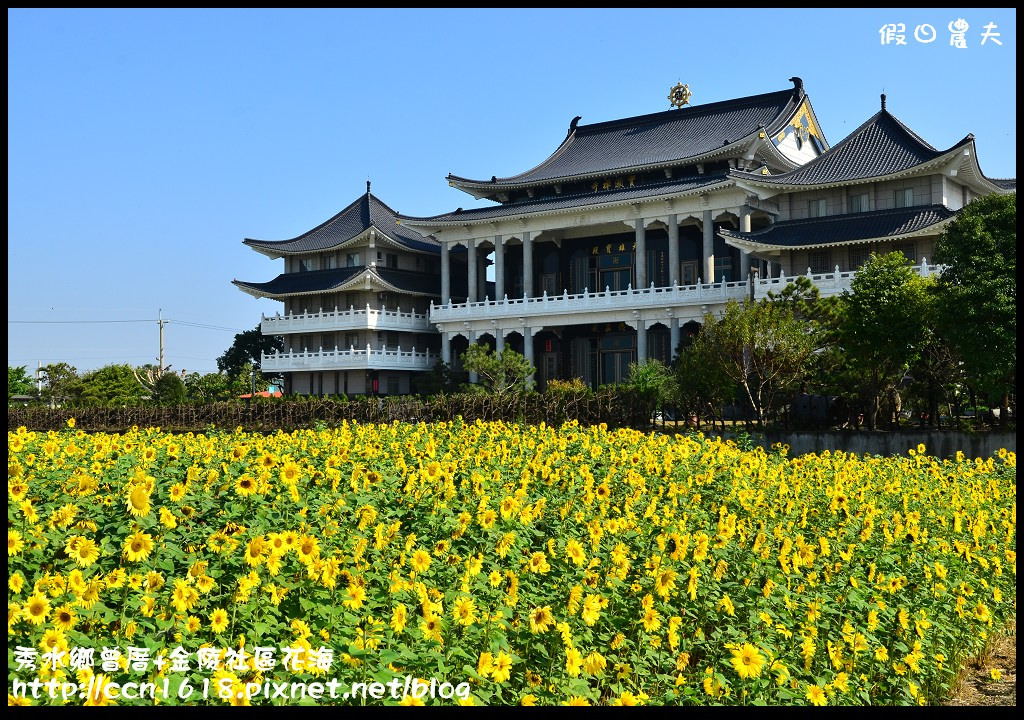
702	385
762	347
882	327
652	381
500	373
439	379
111	385
19	382
169	389
61	383
977	290
247	348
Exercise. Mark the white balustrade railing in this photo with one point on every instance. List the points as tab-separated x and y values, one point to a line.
351	319
828	284
383	358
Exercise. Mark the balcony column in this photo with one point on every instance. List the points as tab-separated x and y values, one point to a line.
640	256
528	351
674	337
481	275
473	377
709	248
673	250
446	348
499	268
499	341
446	274
641	340
471	265
744	255
527	266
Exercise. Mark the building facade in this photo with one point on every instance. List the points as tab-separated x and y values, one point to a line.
613	248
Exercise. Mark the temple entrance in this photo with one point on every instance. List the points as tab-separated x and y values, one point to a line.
689	273
615	366
615	279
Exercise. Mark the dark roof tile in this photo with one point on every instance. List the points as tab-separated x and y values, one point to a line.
347	224
881	146
657	139
836	229
577	200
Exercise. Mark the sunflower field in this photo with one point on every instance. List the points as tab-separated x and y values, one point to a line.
531	564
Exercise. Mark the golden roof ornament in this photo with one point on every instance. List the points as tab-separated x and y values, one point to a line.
679	95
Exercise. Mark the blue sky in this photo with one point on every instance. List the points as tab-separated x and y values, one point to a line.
145	145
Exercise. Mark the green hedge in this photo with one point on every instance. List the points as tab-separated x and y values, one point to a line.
614	406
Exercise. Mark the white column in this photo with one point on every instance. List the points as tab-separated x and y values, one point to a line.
471	285
446	348
499	268
499	340
527	266
473	377
674	338
744	255
673	251
641	340
709	248
640	256
528	349
446	275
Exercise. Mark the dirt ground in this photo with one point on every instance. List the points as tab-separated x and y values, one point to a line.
977	687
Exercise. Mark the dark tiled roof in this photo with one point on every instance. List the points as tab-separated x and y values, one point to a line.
347	224
302	282
881	146
413	282
320	281
658	139
1005	183
846	228
575	201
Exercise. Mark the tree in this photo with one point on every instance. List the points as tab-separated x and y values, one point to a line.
501	372
653	382
439	379
882	327
169	389
977	292
208	388
113	384
19	382
248	347
763	347
61	383
702	387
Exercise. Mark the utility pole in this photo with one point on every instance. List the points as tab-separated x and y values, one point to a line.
160	321
39	377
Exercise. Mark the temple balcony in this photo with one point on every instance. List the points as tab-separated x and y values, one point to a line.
351	359
690	301
352	319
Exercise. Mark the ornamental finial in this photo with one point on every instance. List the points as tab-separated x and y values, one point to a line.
679	95
883	101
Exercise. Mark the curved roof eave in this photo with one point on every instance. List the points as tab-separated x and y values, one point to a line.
751	180
742	243
432	224
725	151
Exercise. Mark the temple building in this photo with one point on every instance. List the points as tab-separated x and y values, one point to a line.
613	248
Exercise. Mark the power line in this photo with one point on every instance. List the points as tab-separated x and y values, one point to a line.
89	322
200	325
73	322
